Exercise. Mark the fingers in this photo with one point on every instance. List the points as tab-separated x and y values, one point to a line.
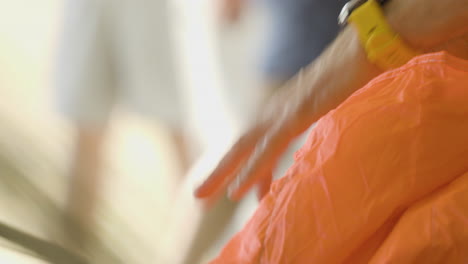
256	153
225	171
263	161
250	161
264	186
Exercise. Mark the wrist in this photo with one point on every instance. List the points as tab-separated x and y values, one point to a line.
384	47
341	70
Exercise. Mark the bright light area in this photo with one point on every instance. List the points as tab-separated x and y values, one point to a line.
140	168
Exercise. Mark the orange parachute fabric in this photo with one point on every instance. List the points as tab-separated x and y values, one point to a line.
382	179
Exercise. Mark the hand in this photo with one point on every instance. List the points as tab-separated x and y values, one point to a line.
249	162
252	159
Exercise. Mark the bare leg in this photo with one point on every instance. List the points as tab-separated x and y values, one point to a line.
84	186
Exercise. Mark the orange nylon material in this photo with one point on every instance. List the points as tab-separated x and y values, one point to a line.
382	179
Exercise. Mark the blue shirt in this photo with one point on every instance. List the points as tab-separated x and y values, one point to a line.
299	30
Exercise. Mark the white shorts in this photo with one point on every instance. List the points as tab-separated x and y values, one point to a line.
117	51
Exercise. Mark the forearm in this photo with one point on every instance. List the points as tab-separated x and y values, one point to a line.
343	67
337	73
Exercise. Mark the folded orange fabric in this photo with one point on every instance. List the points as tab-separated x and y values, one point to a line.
382	178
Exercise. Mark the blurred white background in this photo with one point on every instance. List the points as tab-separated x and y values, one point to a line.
217	70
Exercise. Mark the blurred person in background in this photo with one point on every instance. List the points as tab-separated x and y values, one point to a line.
113	52
296	32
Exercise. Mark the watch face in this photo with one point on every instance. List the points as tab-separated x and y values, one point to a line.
348	8
344	14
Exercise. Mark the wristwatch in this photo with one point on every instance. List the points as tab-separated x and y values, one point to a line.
349	7
383	46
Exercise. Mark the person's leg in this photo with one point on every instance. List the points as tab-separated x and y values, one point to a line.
85	181
86	86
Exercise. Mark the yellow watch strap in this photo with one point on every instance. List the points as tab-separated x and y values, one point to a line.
383	46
